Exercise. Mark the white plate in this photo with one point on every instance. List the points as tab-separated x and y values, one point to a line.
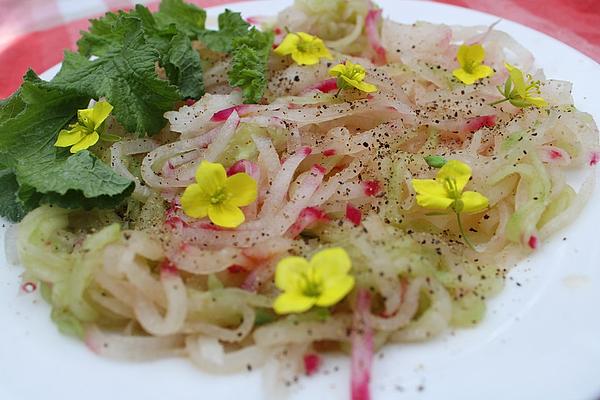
540	339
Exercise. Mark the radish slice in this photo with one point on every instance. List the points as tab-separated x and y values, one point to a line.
475	124
228	129
132	348
308	217
223	115
353	214
245	166
554	155
326	86
594	158
175	292
362	348
312	362
372	21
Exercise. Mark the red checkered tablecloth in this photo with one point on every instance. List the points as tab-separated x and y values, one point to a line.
34	33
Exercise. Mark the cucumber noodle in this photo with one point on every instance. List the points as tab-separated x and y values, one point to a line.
145	281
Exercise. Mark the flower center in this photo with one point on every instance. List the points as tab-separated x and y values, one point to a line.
451	188
454	193
307	46
469	67
355	74
533	87
312	283
219	196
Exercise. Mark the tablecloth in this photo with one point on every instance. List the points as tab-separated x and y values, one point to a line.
34	33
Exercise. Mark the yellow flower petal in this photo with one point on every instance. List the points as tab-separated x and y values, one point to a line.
352	75
518	80
85	118
331	262
431	194
302	58
212	176
457	170
305	49
307	37
324	52
474	202
461	55
464	76
365	87
537	101
288	45
67	138
317	45
87	141
471	69
337	70
293	302
242	189
100	112
226	215
358	71
289	273
335	290
323	281
482	71
469	56
195	201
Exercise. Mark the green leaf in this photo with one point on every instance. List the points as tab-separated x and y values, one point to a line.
176	54
183	68
231	26
30	133
508	87
126	76
47	174
28	197
435	161
249	64
80	174
11	106
10	207
101	36
106	33
187	17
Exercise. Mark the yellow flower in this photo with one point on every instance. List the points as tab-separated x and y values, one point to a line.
471	68
446	191
218	196
87	130
351	75
305	49
323	281
518	92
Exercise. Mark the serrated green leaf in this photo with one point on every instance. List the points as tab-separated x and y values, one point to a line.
183	67
46	173
126	77
10	207
187	17
31	132
176	54
249	64
80	174
11	107
231	26
100	37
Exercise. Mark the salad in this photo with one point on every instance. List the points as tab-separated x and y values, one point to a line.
281	188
